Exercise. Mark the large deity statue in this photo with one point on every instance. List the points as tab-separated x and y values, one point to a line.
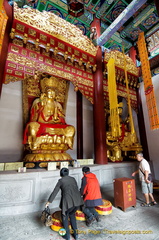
126	144
47	135
121	136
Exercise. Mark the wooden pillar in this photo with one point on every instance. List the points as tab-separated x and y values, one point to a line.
100	150
3	56
99	115
79	117
132	54
96	24
142	129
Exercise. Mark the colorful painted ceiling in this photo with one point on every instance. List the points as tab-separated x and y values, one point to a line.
145	19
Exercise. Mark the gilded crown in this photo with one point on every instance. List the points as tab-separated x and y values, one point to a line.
51	82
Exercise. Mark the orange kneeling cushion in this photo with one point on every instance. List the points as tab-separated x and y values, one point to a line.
80	215
57	221
104	209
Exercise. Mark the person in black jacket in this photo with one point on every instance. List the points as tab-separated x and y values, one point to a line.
71	200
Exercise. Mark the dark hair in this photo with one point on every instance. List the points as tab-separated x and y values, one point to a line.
85	169
64	172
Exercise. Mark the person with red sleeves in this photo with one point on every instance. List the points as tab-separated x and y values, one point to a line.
90	190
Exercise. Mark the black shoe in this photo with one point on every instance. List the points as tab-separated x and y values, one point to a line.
98	219
64	237
89	221
75	236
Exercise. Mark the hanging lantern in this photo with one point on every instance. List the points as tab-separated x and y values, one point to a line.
75	7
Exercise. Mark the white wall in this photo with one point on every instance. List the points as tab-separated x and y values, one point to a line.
71	116
11	123
88	139
88	132
152	135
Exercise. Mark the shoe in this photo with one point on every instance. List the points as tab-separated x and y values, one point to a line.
66	238
153	203
145	205
98	219
89	221
75	236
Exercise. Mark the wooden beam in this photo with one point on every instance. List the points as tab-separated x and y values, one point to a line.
120	20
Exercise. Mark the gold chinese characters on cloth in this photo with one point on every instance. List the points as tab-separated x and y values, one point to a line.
148	86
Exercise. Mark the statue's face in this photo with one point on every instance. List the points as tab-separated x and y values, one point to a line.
51	93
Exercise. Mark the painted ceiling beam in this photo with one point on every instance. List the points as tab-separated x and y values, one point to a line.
119	21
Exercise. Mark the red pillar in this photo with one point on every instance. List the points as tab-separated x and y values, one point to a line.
79	117
96	24
99	115
100	150
3	56
132	54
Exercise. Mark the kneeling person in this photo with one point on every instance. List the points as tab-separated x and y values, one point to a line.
90	190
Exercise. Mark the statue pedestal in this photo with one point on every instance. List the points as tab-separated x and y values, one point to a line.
41	165
41	160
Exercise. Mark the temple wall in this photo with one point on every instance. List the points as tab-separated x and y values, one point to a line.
88	147
11	126
152	136
88	144
28	192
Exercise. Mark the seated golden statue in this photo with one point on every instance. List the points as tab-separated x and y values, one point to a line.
47	134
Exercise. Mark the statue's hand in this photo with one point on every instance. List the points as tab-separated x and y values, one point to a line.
57	120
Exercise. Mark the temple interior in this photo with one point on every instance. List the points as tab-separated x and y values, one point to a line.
79	84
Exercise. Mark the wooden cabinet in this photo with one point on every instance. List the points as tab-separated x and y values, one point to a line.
124	193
